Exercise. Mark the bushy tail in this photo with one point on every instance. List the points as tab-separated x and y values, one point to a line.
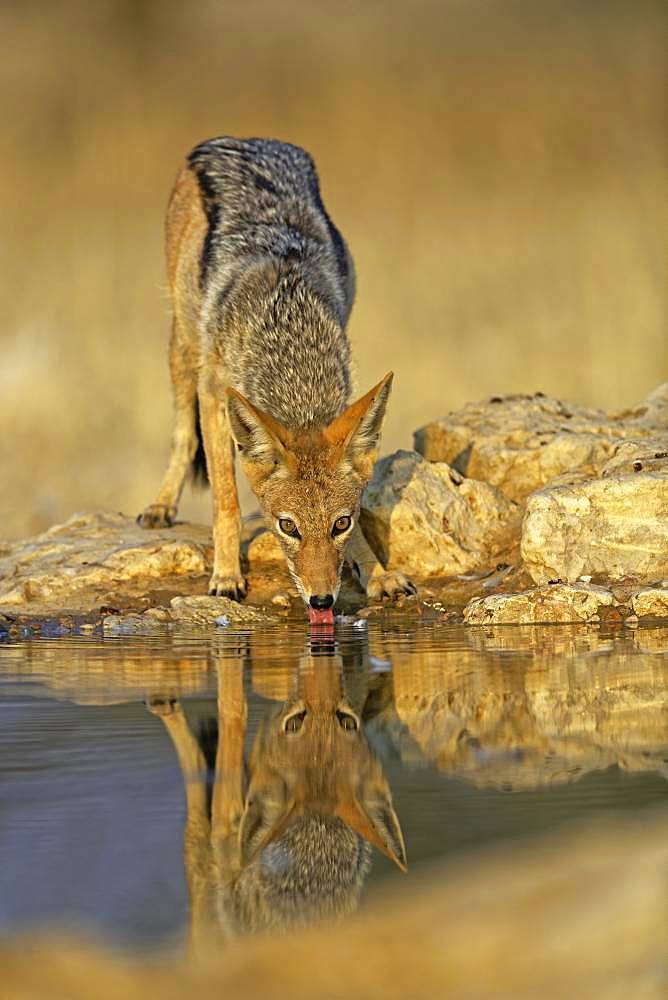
200	473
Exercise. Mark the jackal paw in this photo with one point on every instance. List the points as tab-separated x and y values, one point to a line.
389	585
158	705
231	586
157	515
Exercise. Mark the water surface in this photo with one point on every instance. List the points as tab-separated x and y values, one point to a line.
468	737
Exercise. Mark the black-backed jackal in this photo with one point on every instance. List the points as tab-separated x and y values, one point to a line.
261	286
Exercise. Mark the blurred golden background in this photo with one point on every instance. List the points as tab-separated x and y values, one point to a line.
498	168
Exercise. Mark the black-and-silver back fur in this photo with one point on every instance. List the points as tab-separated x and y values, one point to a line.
276	277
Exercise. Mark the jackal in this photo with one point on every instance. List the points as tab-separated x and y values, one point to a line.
288	844
261	285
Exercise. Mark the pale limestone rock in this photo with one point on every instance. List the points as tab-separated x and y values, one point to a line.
519	443
202	610
129	624
615	526
557	603
651	602
649	455
157	614
264	551
92	553
425	519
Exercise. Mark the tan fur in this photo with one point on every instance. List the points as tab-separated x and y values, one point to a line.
197	376
185	230
313	475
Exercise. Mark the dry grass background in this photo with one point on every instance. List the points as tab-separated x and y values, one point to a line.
498	167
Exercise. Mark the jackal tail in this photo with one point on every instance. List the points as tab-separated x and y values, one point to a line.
199	470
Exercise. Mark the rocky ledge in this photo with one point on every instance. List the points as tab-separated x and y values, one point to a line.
515	510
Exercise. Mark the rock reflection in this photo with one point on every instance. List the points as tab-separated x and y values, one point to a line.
506	714
106	672
285	839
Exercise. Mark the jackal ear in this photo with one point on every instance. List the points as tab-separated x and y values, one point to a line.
356	431
375	820
260	437
261	825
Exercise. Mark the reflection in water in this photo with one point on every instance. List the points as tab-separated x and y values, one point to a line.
286	798
493	716
288	842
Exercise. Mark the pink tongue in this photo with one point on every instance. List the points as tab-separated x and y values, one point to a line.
317	617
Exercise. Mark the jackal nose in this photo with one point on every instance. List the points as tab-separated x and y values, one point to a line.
321	601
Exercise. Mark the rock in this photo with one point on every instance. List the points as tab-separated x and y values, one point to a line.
639	456
267	570
264	551
557	603
208	610
157	614
613	526
652	602
519	443
426	519
72	564
129	625
595	484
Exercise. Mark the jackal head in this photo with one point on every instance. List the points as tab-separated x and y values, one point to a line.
310	483
311	759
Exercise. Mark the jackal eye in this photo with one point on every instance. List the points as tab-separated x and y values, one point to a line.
347	721
288	527
294	723
341	524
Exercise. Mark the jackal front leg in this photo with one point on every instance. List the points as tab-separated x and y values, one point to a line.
377	581
227	580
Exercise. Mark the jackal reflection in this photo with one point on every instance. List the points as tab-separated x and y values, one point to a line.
285	839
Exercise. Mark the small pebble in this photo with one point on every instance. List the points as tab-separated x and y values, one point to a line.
222	621
282	600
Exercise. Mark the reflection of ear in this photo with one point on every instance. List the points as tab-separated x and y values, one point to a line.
356	431
376	821
258	828
261	438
